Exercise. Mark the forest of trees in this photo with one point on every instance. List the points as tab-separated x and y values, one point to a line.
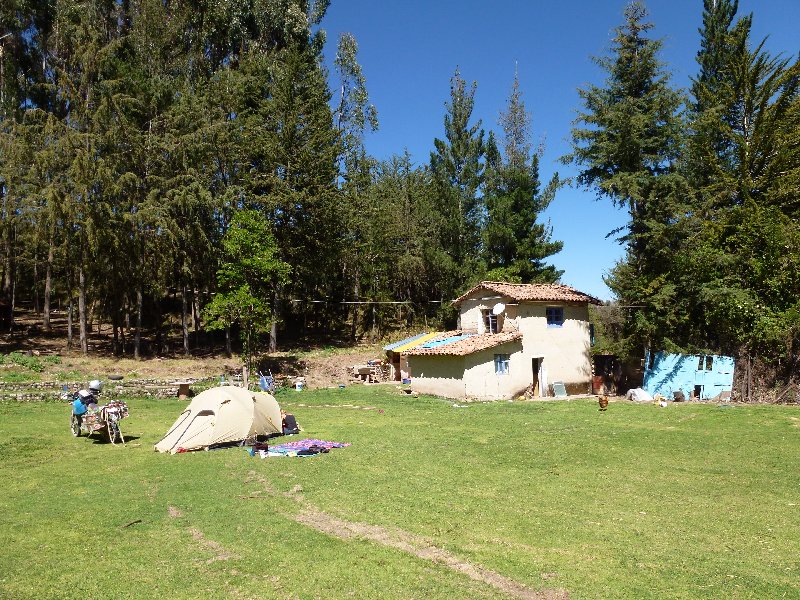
196	162
197	157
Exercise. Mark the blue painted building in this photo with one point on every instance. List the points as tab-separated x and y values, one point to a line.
703	376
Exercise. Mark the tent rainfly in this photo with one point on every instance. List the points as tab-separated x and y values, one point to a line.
220	415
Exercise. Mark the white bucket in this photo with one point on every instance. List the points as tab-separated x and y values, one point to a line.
298	386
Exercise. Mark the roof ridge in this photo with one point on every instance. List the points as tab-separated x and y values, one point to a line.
533	291
526	284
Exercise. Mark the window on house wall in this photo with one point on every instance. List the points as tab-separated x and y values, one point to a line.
705	363
490	322
501	364
555	316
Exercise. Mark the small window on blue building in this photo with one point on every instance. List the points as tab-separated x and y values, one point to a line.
555	316
501	362
705	363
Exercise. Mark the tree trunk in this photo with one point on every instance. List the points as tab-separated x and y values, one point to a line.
273	335
8	275
273	329
357	295
36	277
196	307
162	344
48	285
82	310
137	343
185	320
6	237
69	322
115	329
228	348
13	299
122	340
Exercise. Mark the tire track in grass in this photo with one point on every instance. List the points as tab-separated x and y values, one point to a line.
217	549
405	542
220	554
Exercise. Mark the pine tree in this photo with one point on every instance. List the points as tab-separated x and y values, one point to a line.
22	25
516	246
354	116
457	167
626	141
744	109
744	164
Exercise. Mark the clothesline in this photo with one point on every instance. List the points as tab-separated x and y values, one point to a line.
363	301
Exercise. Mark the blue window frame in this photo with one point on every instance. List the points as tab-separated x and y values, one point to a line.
501	364
555	316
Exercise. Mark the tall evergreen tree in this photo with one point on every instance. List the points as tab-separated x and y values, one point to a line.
744	164
626	141
354	116
303	200
457	167
22	25
742	109
515	244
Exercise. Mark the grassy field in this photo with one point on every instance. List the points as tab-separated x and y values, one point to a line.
496	500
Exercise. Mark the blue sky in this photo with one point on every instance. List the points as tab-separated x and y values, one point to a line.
409	49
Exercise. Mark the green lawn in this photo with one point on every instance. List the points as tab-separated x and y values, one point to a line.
496	500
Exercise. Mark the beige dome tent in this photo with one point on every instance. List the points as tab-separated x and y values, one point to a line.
219	415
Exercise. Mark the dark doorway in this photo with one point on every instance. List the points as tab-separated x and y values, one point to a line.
536	365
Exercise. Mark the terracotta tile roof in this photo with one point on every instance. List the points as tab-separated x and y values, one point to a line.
467	345
541	292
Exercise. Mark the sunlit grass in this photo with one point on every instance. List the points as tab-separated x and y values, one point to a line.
692	501
18	375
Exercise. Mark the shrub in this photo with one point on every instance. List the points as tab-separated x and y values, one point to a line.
31	363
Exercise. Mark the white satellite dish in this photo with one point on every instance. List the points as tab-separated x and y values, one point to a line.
498	308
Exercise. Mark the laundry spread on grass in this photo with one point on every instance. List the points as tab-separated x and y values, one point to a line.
307	447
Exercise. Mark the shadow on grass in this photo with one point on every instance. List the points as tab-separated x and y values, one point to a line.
103	440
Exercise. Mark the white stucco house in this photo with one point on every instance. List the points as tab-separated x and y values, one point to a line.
512	338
